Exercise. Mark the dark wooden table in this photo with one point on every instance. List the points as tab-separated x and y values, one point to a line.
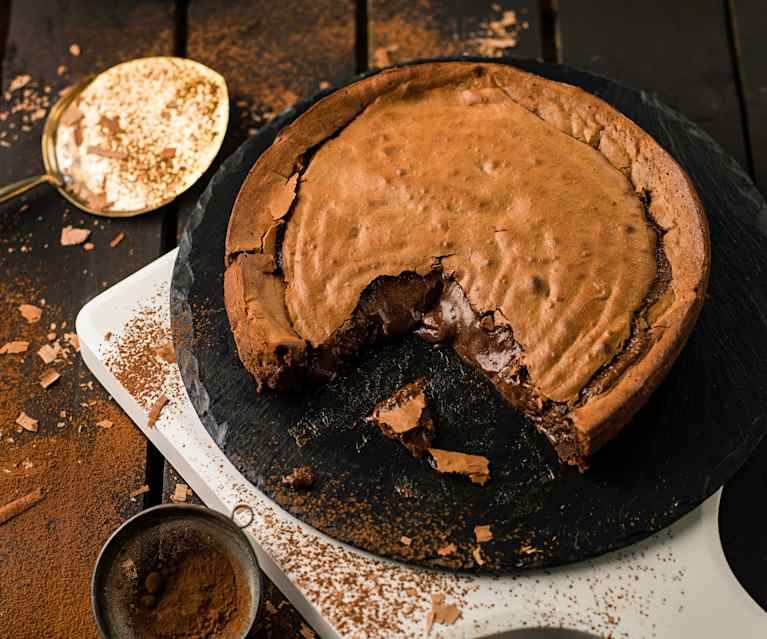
705	58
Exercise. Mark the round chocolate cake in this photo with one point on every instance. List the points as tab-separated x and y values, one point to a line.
523	222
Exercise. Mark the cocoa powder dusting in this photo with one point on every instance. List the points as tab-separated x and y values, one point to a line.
196	596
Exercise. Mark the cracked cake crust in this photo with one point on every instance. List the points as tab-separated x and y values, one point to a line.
285	333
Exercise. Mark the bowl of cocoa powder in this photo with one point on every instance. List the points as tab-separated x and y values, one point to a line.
177	571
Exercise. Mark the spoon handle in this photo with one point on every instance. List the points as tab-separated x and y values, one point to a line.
22	186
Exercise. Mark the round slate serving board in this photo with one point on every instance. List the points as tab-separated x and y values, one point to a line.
695	432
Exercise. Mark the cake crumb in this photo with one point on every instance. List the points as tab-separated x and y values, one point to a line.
74	49
105	424
405	541
447	550
88	246
307	632
477	554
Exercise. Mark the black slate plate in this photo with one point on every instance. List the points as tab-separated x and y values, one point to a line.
695	432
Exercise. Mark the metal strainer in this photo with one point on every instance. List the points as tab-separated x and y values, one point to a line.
163	534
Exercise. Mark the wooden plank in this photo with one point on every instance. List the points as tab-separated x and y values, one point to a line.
408	30
85	471
678	50
272	54
749	24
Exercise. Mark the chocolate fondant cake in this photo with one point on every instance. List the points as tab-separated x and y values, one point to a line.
526	223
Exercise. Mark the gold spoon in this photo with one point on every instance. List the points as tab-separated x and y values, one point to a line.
54	176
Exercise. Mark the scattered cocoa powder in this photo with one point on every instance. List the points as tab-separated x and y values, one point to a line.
47	552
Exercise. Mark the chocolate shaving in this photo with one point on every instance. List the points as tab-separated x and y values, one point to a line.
112	154
49	377
30	313
26	422
71	116
71	236
167	154
18	506
13	348
49	353
73	340
154	412
180	494
139	491
442	613
110	124
483	534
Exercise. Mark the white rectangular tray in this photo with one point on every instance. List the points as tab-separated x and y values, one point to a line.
675	584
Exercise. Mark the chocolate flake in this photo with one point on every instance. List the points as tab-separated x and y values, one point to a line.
49	377
13	348
49	353
442	613
138	491
154	412
180	494
26	422
18	506
483	534
71	116
30	313
71	236
73	340
112	154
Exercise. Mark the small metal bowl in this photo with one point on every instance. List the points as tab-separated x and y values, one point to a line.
133	550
